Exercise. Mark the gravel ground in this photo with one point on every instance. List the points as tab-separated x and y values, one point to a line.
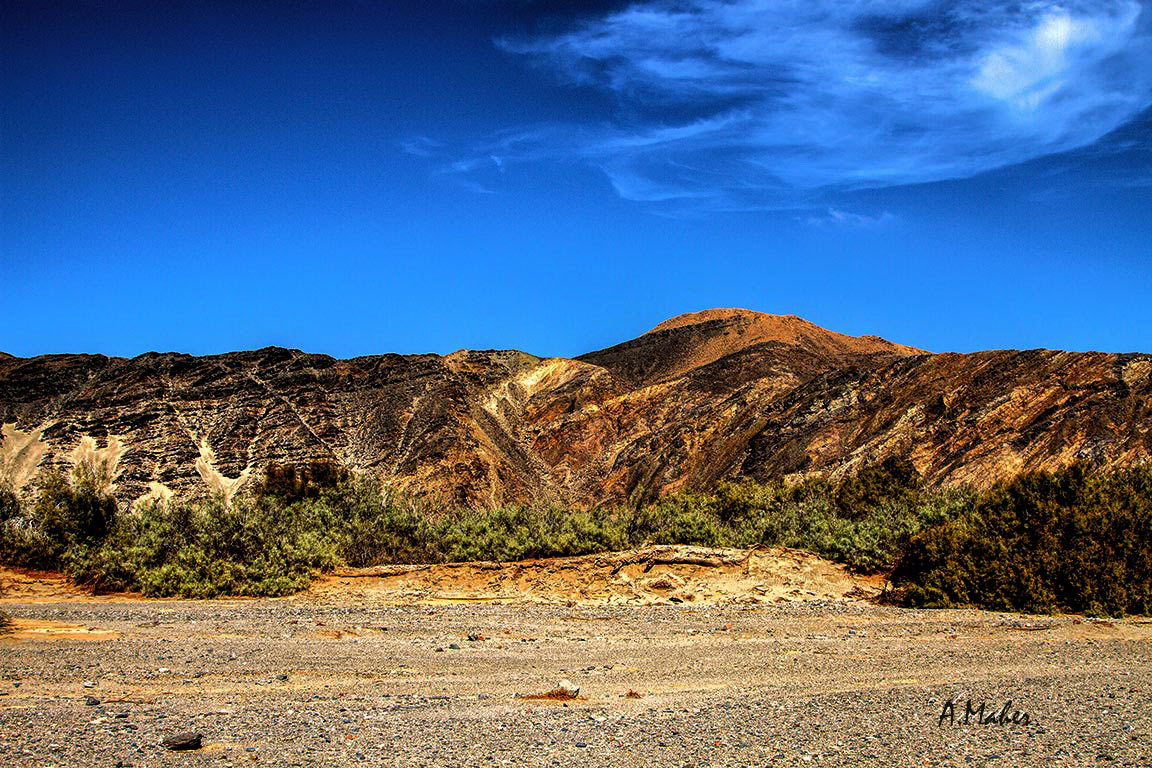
320	680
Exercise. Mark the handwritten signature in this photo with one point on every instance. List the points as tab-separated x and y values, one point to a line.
981	715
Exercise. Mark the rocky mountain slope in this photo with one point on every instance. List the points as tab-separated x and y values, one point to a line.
700	398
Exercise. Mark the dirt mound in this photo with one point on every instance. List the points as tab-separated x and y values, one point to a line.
653	575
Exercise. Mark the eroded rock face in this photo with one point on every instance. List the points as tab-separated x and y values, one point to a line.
704	397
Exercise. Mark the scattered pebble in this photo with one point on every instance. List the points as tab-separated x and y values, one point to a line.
182	742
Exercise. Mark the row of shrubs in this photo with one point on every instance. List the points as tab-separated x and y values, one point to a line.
297	521
1075	541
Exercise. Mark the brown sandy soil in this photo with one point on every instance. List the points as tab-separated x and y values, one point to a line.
22	585
380	670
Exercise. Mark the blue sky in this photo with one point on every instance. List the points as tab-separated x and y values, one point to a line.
365	177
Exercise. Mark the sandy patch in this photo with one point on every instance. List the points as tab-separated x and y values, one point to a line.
34	629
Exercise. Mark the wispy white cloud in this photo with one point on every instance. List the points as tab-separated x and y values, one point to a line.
420	146
835	217
791	100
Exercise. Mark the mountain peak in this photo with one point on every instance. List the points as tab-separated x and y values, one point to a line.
726	316
758	327
696	339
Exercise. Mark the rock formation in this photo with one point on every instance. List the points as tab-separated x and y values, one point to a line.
715	395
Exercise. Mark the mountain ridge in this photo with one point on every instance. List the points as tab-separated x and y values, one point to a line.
702	397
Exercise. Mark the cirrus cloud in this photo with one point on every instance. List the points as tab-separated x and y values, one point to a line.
778	103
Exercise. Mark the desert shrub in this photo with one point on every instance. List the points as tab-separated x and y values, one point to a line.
209	548
9	505
60	528
375	525
683	518
291	482
13	548
73	515
892	481
519	532
9	510
865	527
1074	541
262	545
871	540
5	619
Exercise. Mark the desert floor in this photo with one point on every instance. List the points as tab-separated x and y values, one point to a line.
682	657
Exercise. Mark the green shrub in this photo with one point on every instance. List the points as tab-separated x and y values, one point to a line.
865	527
73	516
291	482
251	547
66	522
9	505
1074	541
374	525
685	518
892	481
